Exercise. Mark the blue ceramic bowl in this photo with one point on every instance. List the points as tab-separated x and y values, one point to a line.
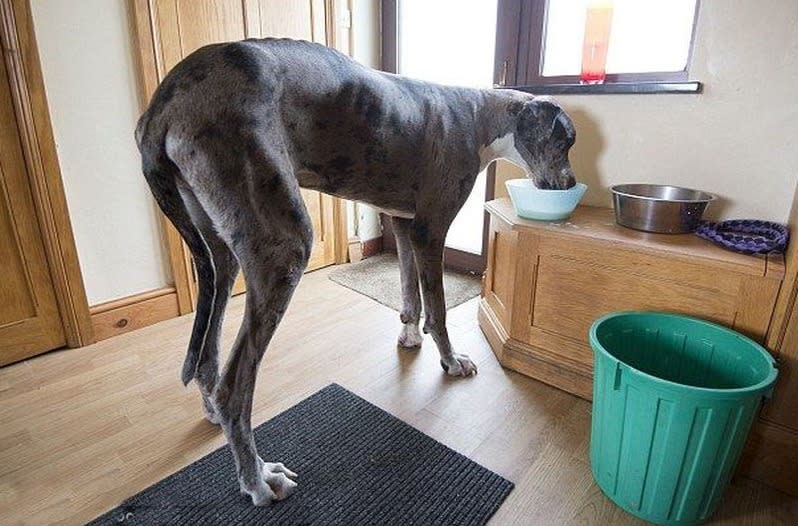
530	202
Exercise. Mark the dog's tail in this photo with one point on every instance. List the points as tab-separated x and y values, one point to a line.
163	175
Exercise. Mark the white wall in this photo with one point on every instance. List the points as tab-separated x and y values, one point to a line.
736	139
90	78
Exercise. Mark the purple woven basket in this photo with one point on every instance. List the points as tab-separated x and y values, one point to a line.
748	236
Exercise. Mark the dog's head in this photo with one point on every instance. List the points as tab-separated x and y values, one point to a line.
544	134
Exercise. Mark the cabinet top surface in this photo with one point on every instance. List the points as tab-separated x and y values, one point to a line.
598	224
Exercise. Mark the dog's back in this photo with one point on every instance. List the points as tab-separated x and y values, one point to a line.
347	130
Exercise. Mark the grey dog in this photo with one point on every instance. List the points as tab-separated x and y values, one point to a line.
234	131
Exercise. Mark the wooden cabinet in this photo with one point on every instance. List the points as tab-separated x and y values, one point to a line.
546	282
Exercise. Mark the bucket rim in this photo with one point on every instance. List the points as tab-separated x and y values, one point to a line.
764	385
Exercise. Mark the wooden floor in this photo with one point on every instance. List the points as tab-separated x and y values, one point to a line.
82	429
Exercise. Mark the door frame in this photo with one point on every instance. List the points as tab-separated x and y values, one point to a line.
150	67
21	57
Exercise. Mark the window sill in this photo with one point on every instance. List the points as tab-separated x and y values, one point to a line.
613	88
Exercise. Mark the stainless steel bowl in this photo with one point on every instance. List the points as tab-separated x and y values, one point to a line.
659	208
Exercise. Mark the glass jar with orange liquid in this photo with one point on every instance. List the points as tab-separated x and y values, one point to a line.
596	43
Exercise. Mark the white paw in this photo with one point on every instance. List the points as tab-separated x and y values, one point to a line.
272	485
261	494
459	365
410	337
276	475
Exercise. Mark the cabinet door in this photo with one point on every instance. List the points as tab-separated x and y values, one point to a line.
500	273
182	26
579	281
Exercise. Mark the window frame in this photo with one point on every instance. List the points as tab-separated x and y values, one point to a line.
519	57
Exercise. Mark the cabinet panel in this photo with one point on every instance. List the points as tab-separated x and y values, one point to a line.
503	271
290	19
571	294
622	259
221	21
498	279
186	25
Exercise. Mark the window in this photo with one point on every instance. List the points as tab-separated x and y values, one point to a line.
542	42
459	53
450	42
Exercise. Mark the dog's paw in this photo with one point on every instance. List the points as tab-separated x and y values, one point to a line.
278	477
410	337
260	492
272	484
459	365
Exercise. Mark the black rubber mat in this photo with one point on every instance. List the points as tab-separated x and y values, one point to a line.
357	465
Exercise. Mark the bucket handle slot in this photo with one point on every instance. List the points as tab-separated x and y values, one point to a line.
616	386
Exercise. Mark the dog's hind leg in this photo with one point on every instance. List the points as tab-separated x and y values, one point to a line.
256	207
410	337
273	256
427	238
178	203
225	265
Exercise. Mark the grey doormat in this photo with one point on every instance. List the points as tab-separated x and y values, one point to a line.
357	465
378	278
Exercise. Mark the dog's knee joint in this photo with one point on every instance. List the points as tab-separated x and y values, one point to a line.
407	317
430	326
206	378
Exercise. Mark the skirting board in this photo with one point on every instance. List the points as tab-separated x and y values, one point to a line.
133	312
372	247
532	361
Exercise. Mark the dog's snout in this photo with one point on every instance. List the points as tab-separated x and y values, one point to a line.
566	179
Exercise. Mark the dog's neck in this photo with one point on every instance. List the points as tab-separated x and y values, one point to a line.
501	148
496	135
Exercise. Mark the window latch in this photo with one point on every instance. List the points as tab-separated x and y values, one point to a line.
503	74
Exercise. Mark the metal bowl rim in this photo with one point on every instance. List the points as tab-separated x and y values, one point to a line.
614	190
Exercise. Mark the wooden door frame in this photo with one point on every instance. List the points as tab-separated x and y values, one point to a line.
21	57
150	69
336	37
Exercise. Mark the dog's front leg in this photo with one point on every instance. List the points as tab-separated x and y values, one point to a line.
410	337
428	244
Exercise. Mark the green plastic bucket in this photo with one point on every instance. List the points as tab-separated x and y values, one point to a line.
673	401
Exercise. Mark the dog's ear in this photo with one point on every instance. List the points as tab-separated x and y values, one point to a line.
563	129
544	120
